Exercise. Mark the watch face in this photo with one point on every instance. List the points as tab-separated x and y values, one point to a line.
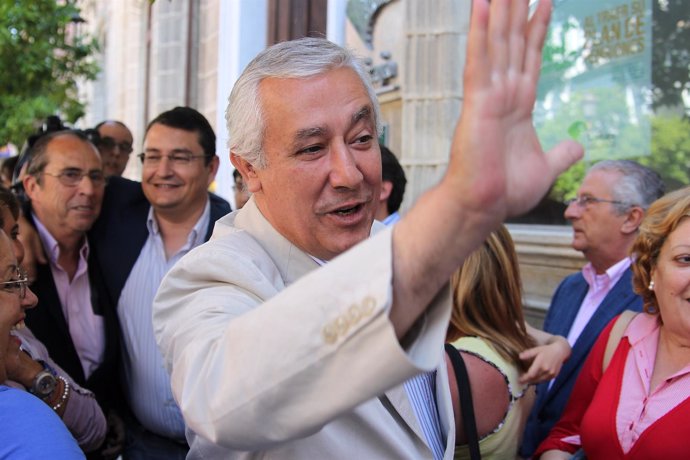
44	384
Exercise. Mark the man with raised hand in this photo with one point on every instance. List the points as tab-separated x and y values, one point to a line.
277	346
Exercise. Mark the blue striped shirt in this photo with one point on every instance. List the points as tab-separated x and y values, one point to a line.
148	382
421	390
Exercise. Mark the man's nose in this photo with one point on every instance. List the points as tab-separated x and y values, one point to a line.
164	167
573	211
345	172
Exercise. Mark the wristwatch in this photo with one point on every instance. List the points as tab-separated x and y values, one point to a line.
44	383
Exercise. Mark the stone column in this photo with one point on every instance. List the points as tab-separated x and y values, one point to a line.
432	94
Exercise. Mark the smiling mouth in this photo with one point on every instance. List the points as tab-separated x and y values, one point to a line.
18	326
348	210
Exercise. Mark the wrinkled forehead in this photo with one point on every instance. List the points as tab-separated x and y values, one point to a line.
72	152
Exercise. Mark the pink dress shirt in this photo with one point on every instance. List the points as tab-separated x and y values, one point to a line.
85	327
599	287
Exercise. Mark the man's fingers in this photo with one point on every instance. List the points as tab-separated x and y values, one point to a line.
517	33
499	20
477	64
536	34
563	156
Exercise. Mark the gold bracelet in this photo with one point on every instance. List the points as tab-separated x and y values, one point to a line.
64	396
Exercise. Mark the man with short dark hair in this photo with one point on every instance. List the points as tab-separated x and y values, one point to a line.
143	231
393	183
605	216
286	337
115	144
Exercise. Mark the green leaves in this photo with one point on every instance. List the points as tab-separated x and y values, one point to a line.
42	57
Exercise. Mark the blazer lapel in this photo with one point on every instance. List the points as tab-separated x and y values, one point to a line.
397	402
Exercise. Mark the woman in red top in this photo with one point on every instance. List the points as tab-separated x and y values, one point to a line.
639	406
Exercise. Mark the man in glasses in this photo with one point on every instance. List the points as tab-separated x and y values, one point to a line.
64	182
144	229
605	216
115	145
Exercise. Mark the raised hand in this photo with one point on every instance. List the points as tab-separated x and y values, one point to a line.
497	162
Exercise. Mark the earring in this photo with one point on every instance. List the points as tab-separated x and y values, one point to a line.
651	285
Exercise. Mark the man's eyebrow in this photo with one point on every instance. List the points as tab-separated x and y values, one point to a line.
307	133
362	114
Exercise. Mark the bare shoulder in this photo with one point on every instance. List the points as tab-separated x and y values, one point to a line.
490	396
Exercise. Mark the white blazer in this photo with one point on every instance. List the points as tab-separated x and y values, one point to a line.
273	357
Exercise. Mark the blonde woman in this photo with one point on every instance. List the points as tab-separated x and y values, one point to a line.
502	355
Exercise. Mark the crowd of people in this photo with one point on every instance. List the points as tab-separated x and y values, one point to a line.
145	320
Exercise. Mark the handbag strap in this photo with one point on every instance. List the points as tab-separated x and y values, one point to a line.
616	335
465	394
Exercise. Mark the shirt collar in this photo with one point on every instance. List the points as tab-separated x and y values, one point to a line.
613	273
51	245
195	237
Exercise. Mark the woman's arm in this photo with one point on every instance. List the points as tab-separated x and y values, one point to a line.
547	357
76	406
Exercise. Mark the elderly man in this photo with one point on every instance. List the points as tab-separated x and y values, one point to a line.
115	144
606	214
65	183
144	230
285	336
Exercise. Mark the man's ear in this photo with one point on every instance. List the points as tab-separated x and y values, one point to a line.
30	184
249	176
633	220
386	189
213	166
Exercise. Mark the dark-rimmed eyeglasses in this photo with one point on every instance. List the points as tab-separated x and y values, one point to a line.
176	158
17	285
108	144
73	177
584	201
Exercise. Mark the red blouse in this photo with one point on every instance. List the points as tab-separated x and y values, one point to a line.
591	413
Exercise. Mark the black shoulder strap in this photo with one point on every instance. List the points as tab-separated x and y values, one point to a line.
465	393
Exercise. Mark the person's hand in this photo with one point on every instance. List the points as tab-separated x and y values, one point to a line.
497	164
115	437
33	249
547	360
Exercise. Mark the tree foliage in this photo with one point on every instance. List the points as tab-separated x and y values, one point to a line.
42	61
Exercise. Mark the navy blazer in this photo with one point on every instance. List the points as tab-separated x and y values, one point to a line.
120	232
49	325
565	304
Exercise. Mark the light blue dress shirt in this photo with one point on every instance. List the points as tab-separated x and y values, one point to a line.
147	381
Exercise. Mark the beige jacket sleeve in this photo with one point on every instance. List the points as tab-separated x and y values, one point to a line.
255	363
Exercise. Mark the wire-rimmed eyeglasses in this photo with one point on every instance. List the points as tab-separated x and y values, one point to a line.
584	201
17	285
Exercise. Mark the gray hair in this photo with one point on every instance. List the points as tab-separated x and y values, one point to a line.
638	185
302	58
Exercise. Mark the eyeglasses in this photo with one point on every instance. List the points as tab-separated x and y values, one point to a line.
176	158
584	201
73	177
108	144
17	285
